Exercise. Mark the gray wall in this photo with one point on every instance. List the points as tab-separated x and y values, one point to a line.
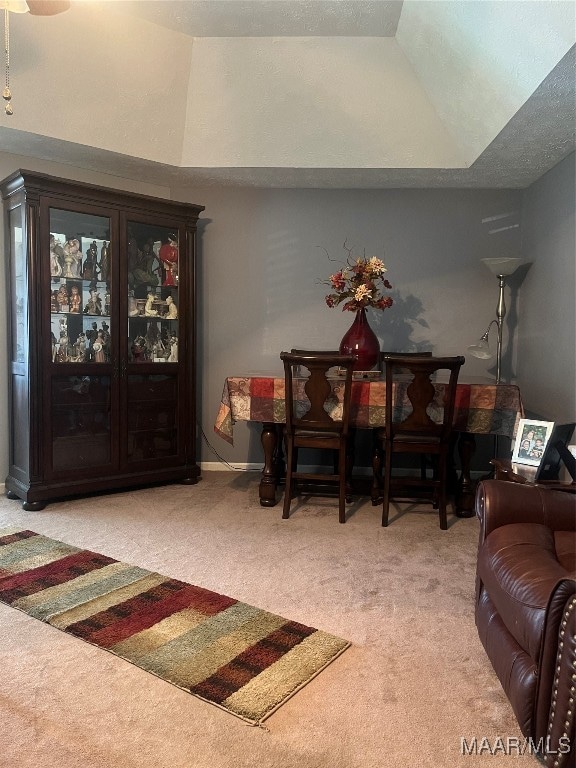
547	327
261	259
262	255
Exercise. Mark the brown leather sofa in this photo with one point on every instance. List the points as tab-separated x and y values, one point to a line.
526	608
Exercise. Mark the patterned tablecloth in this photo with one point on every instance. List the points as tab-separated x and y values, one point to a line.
482	408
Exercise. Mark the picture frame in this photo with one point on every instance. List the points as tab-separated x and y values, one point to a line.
557	454
531	441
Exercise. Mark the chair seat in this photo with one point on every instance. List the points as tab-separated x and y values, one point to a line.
416	442
310	434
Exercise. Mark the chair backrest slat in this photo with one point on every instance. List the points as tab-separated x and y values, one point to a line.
325	395
420	393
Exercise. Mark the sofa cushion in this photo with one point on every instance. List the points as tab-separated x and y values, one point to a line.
519	567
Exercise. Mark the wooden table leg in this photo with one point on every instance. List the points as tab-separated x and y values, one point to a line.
466	491
272	445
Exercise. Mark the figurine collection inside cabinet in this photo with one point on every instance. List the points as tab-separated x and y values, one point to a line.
80	293
152	260
79	287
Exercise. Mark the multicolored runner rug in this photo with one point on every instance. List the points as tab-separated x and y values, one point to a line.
243	659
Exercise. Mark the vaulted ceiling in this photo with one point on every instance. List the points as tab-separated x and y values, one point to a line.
298	93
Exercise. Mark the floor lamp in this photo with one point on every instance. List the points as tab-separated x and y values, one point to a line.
501	268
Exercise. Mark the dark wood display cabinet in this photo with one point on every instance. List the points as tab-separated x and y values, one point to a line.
101	300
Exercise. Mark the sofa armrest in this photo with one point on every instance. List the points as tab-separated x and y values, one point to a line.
499	503
554	711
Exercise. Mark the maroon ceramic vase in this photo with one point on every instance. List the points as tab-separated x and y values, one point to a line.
360	340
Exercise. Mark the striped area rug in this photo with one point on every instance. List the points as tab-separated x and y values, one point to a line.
240	658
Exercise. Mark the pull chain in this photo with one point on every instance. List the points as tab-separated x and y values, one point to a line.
6	93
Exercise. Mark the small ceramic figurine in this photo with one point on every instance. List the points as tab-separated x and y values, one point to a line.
139	349
72	258
104	262
145	272
91	335
91	265
80	348
133	310
94	305
158	351
63	356
172	313
98	348
173	357
168	256
63	299
75	299
148	311
56	257
141	265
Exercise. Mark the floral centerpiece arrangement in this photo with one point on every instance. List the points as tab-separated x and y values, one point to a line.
359	284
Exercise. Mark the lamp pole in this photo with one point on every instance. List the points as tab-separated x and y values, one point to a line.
500	315
501	268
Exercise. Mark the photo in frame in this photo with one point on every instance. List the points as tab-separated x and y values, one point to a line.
531	441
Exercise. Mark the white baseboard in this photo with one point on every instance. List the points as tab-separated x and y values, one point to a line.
213	466
218	466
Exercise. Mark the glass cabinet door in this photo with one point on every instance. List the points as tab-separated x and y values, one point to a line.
80	340
17	289
80	413
80	300
152	326
153	303
152	416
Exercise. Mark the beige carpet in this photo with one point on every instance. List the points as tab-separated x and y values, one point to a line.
414	683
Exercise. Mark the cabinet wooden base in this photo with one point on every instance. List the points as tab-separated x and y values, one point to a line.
33	506
37	498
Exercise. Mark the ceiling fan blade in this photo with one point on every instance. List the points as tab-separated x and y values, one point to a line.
47	7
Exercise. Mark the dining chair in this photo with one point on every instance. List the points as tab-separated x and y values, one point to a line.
417	423
317	416
378	435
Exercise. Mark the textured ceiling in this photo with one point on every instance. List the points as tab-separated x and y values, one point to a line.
538	136
271	18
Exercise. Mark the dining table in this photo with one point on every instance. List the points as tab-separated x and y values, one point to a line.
482	408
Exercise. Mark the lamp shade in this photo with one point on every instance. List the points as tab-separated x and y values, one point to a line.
16	6
480	349
502	266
